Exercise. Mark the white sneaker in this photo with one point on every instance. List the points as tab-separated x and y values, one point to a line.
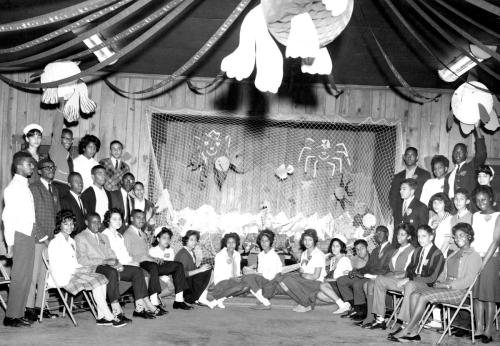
220	303
344	307
433	324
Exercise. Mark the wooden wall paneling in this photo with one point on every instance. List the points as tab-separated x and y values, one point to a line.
425	130
120	115
144	143
22	112
91	125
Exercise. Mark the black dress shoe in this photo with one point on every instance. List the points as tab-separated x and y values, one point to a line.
485	339
31	315
123	318
182	306
460	333
144	314
359	323
46	313
410	338
378	325
16	322
358	317
396	331
160	310
366	325
392	338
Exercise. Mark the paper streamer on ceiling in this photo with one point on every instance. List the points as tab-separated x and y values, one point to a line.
124	51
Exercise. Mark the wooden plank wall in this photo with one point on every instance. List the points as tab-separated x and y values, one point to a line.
117	117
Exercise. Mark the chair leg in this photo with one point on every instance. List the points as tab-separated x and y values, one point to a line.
425	317
450	322
40	318
66	307
448	315
472	319
91	304
65	303
393	317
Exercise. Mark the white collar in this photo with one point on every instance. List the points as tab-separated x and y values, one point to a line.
408	201
21	179
45	183
383	245
97	188
74	194
402	248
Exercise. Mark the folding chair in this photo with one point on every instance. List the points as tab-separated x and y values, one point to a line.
497	316
64	297
397	301
466	303
4	280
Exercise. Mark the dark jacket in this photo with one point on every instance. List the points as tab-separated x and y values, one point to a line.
69	202
89	199
186	259
466	177
431	268
395	201
46	208
419	215
378	262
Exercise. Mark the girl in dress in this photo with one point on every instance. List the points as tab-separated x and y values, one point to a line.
441	222
73	277
340	265
88	146
303	286
459	272
197	277
33	138
486	225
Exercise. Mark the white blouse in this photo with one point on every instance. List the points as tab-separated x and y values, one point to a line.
484	229
269	264
62	259
84	166
226	266
315	260
117	244
166	255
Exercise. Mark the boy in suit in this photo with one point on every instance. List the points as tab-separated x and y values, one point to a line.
115	166
412	211
72	201
95	198
351	286
412	171
463	174
60	154
122	200
46	200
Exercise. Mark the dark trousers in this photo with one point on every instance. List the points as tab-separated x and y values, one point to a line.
195	285
352	289
20	275
229	288
130	274
155	270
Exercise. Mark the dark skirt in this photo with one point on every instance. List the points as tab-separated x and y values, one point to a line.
441	295
229	288
256	282
487	288
196	285
302	291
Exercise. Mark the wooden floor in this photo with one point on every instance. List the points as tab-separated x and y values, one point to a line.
236	325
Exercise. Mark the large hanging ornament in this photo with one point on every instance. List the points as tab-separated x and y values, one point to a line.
74	94
305	27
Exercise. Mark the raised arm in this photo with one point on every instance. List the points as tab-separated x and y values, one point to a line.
481	154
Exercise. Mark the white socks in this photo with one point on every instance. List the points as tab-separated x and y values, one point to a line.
116	308
203	298
139	305
179	297
154	299
261	298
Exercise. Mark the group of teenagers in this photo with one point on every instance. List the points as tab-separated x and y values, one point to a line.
91	221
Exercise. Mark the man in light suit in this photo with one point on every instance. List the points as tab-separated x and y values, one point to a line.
72	201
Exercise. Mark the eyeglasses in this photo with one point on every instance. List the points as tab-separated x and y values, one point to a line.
67	139
49	168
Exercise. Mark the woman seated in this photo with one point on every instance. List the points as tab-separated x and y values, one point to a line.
73	277
197	277
397	271
303	286
162	250
340	265
263	283
227	271
459	272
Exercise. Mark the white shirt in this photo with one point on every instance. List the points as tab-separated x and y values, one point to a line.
316	260
101	201
125	198
19	212
141	205
406	204
484	230
344	264
117	244
431	187
269	264
451	179
113	161
166	255
424	254
77	199
410	172
226	266
84	166
396	255
62	258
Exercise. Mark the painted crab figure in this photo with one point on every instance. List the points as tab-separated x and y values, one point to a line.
305	27
316	154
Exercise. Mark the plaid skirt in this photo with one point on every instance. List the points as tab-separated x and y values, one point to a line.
441	295
81	281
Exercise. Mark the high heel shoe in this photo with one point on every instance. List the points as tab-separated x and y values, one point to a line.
485	339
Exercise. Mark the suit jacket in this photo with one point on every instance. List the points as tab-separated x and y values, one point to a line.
114	176
46	208
395	201
378	262
69	202
89	199
117	202
89	252
431	268
419	215
466	176
401	261
63	161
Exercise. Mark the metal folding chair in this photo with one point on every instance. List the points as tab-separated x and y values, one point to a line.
497	316
397	301
4	280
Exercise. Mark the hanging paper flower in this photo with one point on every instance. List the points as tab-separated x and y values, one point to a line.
369	220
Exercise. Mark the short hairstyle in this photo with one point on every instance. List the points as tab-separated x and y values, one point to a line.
115	142
382	229
96	168
235	236
107	215
63	215
460	145
412	148
127	175
343	246
92	214
308	233
188	235
68	131
412	183
136	211
138	183
443	197
265	233
73	174
426	228
86	140
360	242
440	158
466	228
483	189
408	228
43	161
164	230
463	192
19	158
485	169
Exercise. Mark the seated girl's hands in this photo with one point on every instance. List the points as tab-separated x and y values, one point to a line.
403	282
205	267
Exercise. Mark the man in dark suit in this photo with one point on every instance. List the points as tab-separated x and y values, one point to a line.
46	199
412	171
351	286
121	199
412	210
95	198
463	174
73	202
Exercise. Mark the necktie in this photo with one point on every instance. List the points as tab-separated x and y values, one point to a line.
404	207
50	189
80	204
116	164
97	238
420	262
70	163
